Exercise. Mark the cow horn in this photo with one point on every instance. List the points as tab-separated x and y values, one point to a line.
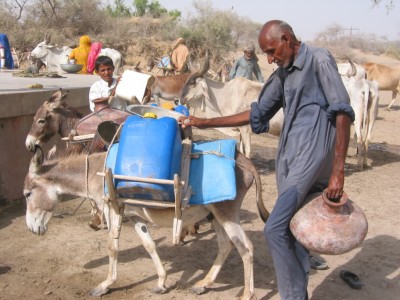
47	38
190	64
206	65
353	71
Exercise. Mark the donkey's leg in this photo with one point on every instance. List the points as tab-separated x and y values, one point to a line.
150	246
228	214
245	248
114	224
224	248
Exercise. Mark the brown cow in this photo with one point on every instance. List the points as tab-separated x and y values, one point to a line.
388	78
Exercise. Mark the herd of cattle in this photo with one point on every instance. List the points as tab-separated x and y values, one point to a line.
363	84
215	98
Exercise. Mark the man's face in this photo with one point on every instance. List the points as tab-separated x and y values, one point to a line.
278	51
106	73
248	54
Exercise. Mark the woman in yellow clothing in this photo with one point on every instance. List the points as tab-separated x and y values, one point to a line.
81	53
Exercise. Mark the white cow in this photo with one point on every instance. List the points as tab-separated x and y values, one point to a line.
223	99
52	56
351	70
388	78
364	97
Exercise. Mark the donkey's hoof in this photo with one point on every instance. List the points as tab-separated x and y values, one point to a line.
97	292
198	290
159	290
249	297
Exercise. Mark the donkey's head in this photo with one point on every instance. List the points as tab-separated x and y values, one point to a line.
195	86
41	196
47	121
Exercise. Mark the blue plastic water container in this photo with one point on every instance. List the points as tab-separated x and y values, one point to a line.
148	148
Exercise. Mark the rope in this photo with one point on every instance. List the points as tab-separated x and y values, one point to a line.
78	206
94	209
213	152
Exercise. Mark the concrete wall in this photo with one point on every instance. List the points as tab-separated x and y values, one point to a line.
16	117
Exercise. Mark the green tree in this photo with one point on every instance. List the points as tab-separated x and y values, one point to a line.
141	7
175	14
156	10
118	10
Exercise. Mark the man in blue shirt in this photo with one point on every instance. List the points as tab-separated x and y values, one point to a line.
313	142
247	65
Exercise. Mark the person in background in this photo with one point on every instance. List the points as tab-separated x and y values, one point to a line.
95	49
103	91
247	65
81	53
313	142
6	59
180	56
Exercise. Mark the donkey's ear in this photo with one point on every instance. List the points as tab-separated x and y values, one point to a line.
36	161
64	93
56	100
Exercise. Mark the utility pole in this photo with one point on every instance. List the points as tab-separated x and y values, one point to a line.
351	29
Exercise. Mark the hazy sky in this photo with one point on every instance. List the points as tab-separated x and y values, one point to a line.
308	17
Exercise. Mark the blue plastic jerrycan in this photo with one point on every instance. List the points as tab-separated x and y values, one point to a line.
148	148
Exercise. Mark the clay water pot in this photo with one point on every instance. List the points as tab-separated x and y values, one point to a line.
328	227
89	123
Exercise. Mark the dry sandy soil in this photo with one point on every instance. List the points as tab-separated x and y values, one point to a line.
71	258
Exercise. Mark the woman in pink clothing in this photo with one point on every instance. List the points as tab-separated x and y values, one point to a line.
95	49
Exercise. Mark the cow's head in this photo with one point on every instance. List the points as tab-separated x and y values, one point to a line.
42	49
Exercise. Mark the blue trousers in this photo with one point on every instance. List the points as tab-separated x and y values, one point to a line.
290	258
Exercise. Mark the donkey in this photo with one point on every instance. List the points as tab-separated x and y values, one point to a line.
47	181
56	116
53	116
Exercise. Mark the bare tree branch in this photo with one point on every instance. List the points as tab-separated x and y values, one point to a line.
20	5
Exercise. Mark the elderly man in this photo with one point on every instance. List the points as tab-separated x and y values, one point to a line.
313	143
247	65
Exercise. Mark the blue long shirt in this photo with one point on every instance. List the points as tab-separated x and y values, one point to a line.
9	62
245	68
311	92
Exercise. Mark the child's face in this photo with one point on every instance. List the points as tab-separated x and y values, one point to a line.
106	72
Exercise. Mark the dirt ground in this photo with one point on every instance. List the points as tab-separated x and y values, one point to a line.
71	258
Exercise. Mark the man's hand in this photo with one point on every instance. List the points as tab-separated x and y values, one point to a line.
190	121
336	184
336	181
